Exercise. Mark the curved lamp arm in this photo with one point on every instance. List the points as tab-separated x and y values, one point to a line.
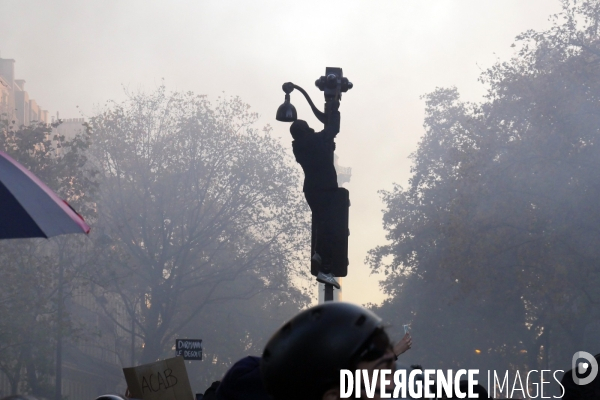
288	87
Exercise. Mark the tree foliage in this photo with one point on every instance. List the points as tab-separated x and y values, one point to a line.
202	210
498	226
29	267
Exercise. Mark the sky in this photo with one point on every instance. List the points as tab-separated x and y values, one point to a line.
75	55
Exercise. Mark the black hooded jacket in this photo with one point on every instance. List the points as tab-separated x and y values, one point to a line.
314	153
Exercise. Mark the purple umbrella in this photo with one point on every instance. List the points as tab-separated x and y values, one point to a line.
29	208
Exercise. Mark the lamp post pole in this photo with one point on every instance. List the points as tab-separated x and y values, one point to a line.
329	203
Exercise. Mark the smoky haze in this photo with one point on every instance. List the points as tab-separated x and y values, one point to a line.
76	55
200	228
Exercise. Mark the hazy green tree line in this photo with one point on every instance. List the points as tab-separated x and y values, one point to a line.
494	244
29	292
205	222
197	228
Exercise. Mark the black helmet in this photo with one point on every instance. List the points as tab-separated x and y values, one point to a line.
304	357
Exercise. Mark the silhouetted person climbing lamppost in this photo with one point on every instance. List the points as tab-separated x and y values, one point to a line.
328	203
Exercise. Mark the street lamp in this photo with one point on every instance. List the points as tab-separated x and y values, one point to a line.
328	202
333	84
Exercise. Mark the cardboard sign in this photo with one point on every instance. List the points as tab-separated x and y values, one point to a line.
161	380
190	349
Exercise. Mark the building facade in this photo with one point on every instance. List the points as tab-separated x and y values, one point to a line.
15	104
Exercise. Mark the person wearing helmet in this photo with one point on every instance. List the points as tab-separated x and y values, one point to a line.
303	359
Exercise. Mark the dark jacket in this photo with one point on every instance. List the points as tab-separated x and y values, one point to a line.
314	153
243	382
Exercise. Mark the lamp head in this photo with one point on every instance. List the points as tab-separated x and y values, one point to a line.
286	112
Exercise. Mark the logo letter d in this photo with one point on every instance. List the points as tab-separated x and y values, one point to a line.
593	365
